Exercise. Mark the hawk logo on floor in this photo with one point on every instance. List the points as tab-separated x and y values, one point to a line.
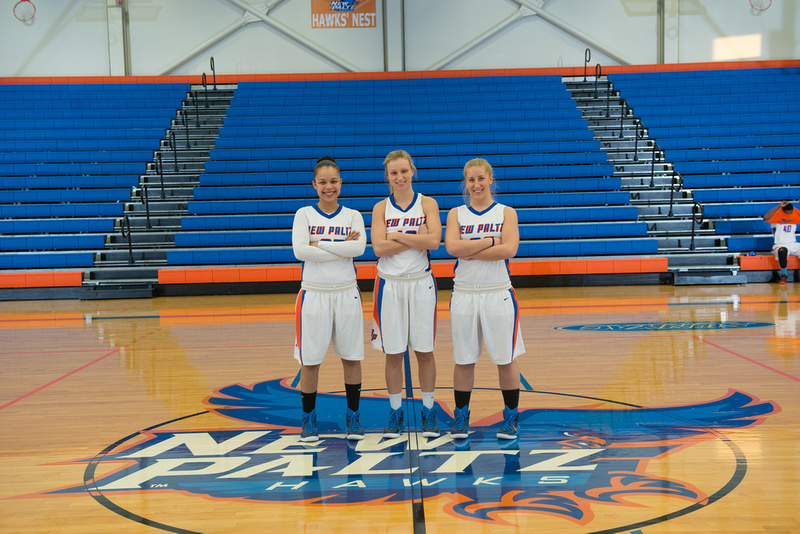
564	462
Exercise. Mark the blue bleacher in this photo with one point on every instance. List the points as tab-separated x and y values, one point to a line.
231	138
366	204
595	214
68	182
736	145
69	155
546	163
52	242
46	260
430	188
748	194
748	226
56	226
750	244
220	256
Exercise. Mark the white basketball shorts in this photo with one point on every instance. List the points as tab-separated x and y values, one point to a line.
490	317
404	315
323	318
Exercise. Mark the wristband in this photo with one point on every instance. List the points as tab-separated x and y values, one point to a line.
492	240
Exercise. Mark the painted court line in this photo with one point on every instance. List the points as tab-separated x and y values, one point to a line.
58	379
765	366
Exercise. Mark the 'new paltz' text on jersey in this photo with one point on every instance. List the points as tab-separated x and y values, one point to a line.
330	263
478	225
407	221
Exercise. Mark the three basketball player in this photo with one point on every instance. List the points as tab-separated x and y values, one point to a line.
406	227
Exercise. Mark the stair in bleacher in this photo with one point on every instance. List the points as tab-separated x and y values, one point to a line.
735	145
161	198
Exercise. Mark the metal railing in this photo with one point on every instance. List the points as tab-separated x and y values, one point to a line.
598	72
656	155
636	139
697	220
675	186
126	232
160	170
196	109
185	122
173	146
146	202
623	112
213	73
587	57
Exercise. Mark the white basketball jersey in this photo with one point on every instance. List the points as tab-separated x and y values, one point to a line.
478	225
408	221
321	267
784	233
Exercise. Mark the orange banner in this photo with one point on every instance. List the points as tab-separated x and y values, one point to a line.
343	14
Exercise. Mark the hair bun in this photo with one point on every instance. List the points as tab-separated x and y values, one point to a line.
326	158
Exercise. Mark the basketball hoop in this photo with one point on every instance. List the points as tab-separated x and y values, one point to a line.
24	11
757	7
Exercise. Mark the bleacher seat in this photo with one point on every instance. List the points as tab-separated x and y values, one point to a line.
736	145
546	162
69	155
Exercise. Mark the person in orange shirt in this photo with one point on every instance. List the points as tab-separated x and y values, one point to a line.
784	218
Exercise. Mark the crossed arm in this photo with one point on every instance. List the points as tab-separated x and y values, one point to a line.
486	248
428	237
351	247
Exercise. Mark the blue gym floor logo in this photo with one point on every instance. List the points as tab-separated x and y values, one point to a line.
664	326
564	462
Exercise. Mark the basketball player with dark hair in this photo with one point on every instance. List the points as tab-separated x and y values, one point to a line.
326	237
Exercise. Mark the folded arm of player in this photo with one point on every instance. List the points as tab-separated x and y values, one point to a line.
353	245
429	235
487	249
302	247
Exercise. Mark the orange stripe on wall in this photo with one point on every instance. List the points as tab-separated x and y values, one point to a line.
560	71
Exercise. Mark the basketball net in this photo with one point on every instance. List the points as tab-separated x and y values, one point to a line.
25	11
757	7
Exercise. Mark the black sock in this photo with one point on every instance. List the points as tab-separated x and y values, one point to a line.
783	257
353	392
462	398
309	401
511	398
